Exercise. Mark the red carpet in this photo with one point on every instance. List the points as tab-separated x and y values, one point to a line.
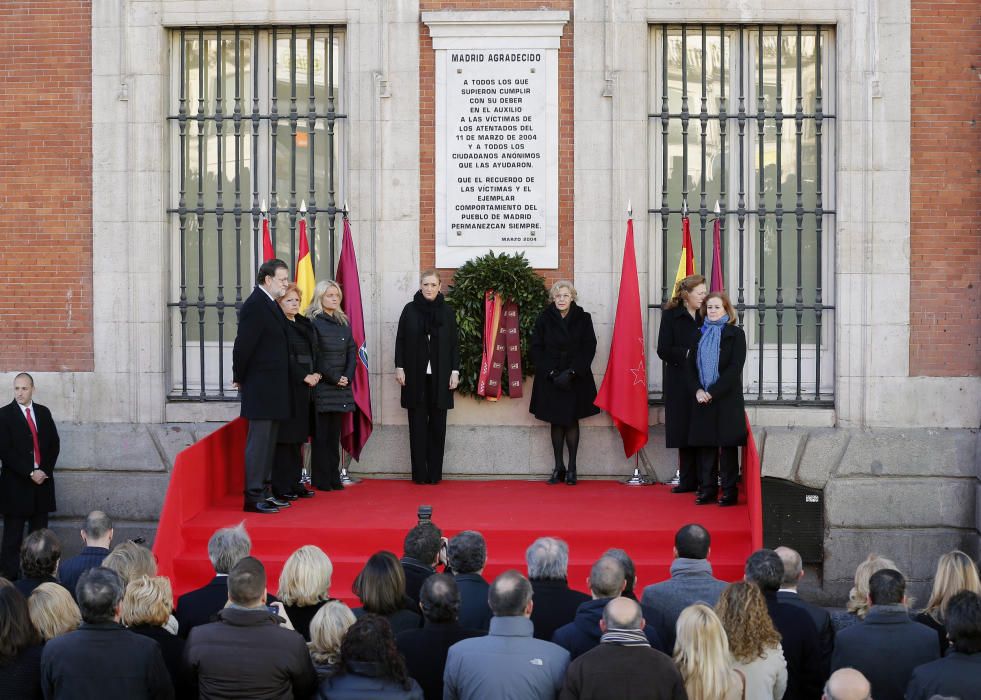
375	514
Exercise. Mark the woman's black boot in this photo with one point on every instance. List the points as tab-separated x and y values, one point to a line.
558	475
570	477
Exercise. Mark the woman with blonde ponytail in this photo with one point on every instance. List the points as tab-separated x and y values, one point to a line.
701	652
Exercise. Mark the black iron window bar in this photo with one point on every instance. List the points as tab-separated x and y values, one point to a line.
781	310
302	109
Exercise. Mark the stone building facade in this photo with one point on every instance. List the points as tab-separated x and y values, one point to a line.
92	164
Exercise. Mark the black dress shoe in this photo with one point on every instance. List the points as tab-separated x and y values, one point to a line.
304	493
277	502
728	502
285	496
558	476
570	477
704	500
682	489
260	507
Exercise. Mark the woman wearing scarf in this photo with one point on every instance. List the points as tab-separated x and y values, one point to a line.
427	367
562	347
718	420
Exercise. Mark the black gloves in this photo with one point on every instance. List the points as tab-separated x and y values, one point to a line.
563	379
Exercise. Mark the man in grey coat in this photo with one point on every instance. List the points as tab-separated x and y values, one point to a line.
691	579
509	663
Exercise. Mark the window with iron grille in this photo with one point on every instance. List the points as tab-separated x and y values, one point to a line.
256	129
744	117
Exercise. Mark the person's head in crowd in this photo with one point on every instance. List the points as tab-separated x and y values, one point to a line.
692	542
305	579
510	595
100	595
327	630
887	587
547	559
742	611
956	572
131	560
148	600
439	599
97	530
606	579
764	568
466	553
858	596
228	546
964	622
629	569
17	632
53	610
247	583
370	640
622	614
40	554
701	652
381	584
793	567
847	684
327	298
273	275
423	543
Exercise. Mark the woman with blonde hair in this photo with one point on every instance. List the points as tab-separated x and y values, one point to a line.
326	634
701	653
53	610
753	640
146	609
333	396
857	606
956	572
131	560
304	586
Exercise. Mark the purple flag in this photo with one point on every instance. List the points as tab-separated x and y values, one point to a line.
718	284
356	426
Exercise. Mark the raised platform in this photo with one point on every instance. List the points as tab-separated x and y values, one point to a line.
349	526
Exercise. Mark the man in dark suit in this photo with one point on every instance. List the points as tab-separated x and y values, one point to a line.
888	644
97	535
425	649
422	551
29	449
793	572
260	371
959	673
555	603
799	635
466	554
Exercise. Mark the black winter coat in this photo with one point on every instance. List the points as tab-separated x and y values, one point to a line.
676	336
19	495
559	344
722	421
260	359
413	351
303	361
583	633
336	354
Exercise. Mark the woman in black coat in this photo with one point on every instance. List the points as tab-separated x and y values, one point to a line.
427	367
332	397
678	333
562	347
718	419
291	434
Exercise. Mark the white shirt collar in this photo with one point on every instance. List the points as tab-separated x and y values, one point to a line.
266	291
23	408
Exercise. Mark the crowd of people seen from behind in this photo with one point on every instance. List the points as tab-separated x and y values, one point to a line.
104	625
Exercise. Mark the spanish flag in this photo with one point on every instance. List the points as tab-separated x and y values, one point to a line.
304	268
686	263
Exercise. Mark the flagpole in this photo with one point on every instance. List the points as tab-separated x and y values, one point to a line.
346	459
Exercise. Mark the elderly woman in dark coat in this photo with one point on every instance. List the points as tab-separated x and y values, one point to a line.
333	396
715	382
678	333
292	433
562	347
427	367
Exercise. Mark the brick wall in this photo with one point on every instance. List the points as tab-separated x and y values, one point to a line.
945	190
427	130
46	185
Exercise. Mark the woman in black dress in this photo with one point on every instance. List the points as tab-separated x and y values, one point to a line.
427	367
291	434
718	418
678	333
333	397
562	347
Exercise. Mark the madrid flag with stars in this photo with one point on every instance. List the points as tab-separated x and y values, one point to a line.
624	391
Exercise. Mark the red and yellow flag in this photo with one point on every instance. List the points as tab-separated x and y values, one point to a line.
686	263
304	268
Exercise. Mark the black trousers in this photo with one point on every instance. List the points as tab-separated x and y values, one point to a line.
687	471
427	438
287	469
325	462
715	462
13	536
260	446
